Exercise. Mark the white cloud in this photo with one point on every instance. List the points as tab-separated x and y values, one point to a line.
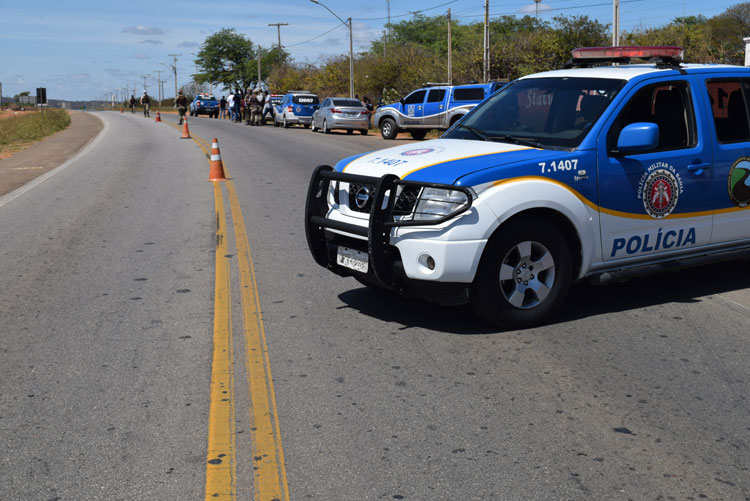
151	41
143	30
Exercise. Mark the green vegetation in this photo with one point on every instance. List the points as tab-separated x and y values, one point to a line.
33	126
416	51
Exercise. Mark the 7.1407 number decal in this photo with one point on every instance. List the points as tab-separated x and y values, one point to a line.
560	165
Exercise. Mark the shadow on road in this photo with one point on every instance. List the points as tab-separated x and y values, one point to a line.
584	300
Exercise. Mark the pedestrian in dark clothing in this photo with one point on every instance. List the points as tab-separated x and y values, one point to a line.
223	108
180	103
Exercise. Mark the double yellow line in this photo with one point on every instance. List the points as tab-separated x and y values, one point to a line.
267	456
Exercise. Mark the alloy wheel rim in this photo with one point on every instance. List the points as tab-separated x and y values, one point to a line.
527	274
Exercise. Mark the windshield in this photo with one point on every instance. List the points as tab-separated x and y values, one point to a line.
543	112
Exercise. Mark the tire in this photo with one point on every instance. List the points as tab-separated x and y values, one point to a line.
363	132
326	130
285	123
524	275
307	126
275	123
312	127
349	131
418	134
388	128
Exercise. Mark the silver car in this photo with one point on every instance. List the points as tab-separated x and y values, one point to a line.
341	113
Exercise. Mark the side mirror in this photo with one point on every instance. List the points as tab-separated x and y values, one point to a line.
639	136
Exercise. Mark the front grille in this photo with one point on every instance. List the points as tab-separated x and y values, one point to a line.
362	195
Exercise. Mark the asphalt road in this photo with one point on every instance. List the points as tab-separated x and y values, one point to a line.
107	308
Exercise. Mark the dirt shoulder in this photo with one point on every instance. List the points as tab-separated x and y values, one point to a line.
48	153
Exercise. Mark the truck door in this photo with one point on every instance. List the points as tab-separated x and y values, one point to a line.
413	108
728	99
435	108
661	200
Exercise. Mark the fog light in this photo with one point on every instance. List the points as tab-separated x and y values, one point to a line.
426	263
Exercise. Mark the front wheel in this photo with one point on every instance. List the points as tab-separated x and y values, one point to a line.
326	130
418	134
388	129
524	275
363	132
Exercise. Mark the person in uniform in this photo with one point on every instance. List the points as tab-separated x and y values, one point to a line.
255	108
145	102
132	104
181	104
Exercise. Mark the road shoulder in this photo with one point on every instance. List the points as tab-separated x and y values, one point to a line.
49	153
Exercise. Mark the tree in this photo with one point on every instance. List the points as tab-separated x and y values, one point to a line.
224	58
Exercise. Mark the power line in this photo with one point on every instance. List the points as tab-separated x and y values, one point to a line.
315	38
410	13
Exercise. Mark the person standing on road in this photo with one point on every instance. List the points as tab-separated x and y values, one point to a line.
267	108
255	108
222	108
368	105
181	104
145	102
232	103
132	104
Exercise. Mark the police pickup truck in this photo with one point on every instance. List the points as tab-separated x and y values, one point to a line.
435	106
595	172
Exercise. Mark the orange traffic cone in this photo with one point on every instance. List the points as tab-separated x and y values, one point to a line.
122	110
216	169
158	117
185	131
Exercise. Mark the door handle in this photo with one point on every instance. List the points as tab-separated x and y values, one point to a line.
698	169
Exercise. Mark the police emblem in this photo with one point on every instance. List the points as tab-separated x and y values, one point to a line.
421	151
660	193
739	182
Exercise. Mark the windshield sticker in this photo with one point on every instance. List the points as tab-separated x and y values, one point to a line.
659	189
739	182
654	241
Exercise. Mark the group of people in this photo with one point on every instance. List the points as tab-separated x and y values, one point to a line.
145	102
253	106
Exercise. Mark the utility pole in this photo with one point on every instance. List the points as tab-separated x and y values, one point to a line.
258	86
278	30
145	88
450	50
387	26
174	69
486	75
615	23
158	85
537	2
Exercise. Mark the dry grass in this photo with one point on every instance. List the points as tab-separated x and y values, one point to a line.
31	127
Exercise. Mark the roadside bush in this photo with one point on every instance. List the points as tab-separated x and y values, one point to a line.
32	127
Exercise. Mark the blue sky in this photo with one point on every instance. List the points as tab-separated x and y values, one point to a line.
85	49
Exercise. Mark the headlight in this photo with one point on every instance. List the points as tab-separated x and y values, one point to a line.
437	203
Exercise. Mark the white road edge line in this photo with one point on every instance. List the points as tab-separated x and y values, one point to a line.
9	197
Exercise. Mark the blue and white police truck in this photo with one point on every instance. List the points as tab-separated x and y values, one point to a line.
595	171
434	106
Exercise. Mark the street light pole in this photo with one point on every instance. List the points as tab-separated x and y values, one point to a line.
278	30
348	24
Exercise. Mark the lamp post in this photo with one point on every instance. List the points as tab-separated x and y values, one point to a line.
348	24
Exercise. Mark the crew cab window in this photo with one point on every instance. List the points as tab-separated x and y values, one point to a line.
415	97
436	95
668	105
470	94
729	109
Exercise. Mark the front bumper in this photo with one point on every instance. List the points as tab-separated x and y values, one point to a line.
386	259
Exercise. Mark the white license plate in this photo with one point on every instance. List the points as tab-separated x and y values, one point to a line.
352	259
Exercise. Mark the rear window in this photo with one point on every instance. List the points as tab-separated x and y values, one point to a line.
470	94
309	99
346	102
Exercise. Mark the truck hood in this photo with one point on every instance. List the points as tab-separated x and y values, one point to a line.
443	161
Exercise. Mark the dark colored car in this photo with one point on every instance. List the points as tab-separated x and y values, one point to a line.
204	104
